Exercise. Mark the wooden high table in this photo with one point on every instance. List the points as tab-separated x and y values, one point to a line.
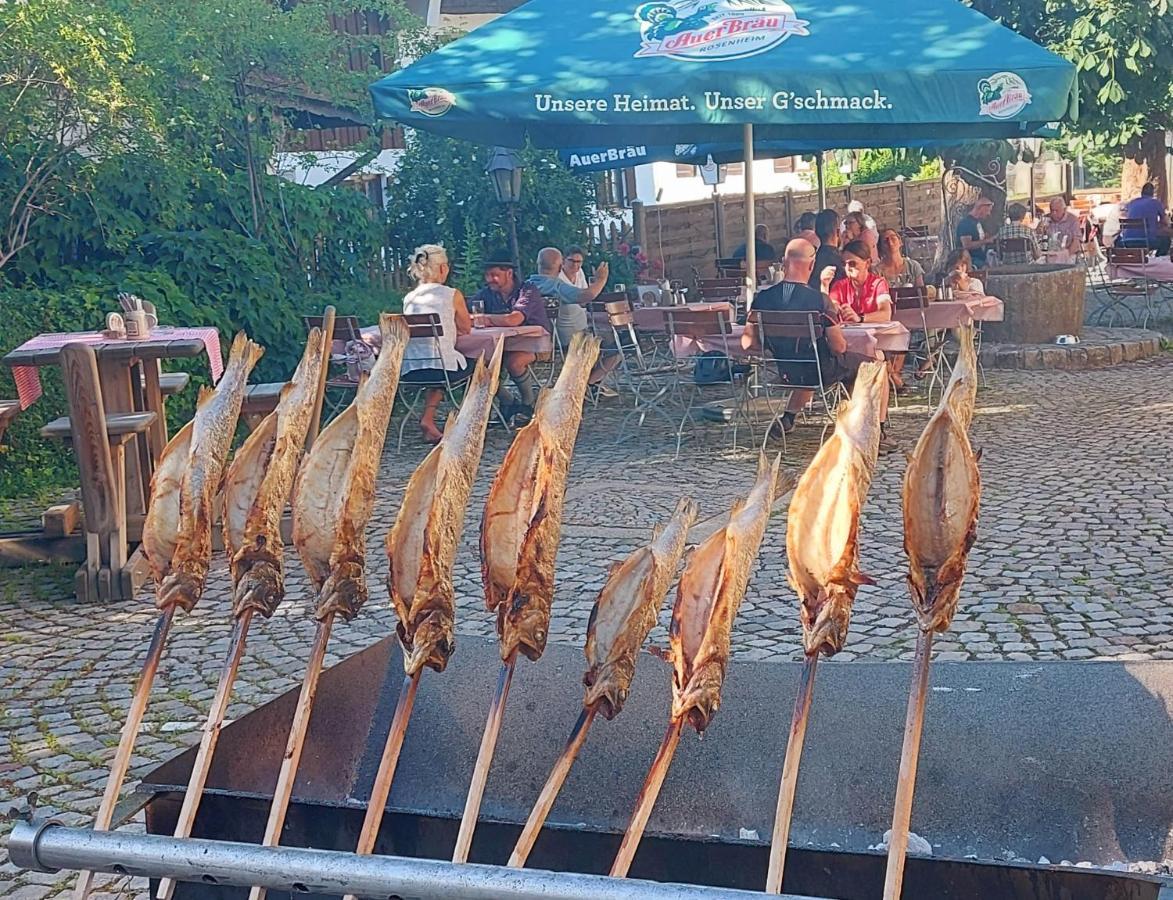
128	373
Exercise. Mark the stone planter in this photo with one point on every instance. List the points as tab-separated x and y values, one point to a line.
1041	302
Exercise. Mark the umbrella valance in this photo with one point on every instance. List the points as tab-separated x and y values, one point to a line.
660	73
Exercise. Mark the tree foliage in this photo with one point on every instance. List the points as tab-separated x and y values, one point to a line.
441	194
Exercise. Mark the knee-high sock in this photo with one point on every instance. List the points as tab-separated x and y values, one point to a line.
527	387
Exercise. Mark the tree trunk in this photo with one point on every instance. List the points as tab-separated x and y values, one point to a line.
1144	161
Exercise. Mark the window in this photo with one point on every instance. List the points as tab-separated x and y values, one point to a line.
683	171
784	165
734	170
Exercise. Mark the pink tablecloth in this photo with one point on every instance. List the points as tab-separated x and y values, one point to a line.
865	339
481	341
943	314
1157	268
28	381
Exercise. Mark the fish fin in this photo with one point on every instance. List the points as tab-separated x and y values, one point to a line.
205	395
977	454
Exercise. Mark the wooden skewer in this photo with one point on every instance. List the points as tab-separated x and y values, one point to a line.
480	773
381	789
296	743
909	757
537	818
134	722
785	811
647	799
203	760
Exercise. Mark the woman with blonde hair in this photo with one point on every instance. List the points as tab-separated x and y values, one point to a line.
429	361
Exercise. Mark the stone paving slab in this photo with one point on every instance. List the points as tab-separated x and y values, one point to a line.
1074	560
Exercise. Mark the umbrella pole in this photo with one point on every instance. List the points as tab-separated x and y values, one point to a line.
785	811
751	246
537	818
203	760
480	772
909	757
820	163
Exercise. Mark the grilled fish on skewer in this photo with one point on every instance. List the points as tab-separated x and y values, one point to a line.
823	523
522	521
942	491
627	609
710	593
423	542
177	533
258	485
335	488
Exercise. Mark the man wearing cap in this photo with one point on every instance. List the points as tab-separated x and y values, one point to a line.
505	304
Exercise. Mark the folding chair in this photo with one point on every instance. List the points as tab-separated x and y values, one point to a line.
1130	224
1018	249
931	354
713	330
638	372
729	267
798	335
427	328
1120	291
349	356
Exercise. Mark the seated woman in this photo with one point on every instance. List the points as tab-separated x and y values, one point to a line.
863	296
960	277
896	268
421	364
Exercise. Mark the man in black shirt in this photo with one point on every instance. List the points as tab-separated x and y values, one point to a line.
827	229
971	233
793	295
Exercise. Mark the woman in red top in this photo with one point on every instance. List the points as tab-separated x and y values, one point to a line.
862	296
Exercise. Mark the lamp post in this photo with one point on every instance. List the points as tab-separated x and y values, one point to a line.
505	170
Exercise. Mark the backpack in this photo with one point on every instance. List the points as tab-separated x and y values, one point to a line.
711	367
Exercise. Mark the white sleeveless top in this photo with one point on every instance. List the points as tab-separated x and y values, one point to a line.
421	352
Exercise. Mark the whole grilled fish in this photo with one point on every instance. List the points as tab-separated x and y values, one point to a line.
177	533
334	493
710	593
522	522
423	542
627	609
942	493
822	530
258	485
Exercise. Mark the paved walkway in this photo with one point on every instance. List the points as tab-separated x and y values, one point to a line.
1074	560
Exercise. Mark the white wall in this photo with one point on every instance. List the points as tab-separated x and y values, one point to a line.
660	178
313	169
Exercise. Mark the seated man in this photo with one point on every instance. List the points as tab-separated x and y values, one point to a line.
1017	230
971	232
572	317
506	304
764	252
1061	227
1155	233
793	295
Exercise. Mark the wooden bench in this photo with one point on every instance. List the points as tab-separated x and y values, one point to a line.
172	383
9	410
99	442
259	401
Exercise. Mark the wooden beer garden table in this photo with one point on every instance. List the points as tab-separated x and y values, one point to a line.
129	382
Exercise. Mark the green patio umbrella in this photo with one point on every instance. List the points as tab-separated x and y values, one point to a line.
614	72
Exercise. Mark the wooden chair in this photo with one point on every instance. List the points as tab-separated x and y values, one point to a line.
9	410
1134	224
262	398
99	442
728	266
427	327
1116	292
1018	247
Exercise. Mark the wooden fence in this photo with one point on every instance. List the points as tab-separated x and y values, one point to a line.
692	235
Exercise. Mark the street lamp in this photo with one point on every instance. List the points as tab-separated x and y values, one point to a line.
505	170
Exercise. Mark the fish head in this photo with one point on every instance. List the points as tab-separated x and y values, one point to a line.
825	622
344	592
701	697
181	589
431	644
260	588
607	686
523	623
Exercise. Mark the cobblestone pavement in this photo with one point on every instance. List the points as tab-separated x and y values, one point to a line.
1073	561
